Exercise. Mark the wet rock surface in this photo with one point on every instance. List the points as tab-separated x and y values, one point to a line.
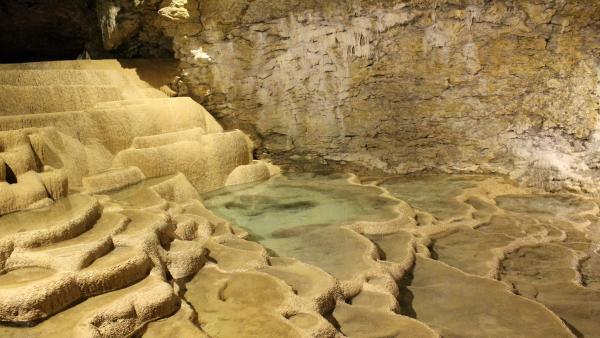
379	274
475	267
97	216
109	227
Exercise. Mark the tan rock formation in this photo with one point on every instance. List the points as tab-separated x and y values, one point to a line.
125	228
107	184
79	139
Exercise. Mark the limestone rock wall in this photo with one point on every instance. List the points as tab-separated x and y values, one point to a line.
401	86
131	28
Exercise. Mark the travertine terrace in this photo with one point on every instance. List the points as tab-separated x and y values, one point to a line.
401	168
74	131
108	230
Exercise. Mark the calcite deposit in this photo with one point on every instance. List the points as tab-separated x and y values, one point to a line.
95	161
127	209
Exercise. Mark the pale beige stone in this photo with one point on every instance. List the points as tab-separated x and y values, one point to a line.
254	172
112	180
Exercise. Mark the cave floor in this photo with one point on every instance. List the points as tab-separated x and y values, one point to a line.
310	255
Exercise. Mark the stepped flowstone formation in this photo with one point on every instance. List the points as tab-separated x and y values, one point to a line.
126	212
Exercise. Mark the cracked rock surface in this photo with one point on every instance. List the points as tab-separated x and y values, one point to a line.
399	86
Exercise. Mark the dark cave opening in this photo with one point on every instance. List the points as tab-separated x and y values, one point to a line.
11	178
46	30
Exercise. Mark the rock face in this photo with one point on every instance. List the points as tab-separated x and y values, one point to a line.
402	86
129	28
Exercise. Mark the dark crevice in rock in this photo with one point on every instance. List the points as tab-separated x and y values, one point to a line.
406	297
330	318
11	178
433	253
576	332
37	30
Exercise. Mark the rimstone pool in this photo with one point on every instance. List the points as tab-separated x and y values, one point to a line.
310	169
317	255
293	205
476	226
